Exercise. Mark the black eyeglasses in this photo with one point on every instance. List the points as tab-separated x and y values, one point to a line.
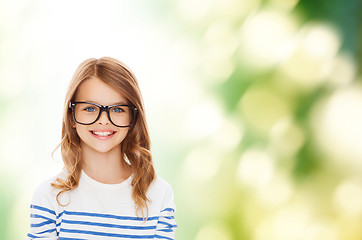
87	113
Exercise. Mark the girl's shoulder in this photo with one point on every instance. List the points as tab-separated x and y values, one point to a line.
161	194
160	187
45	185
45	192
160	183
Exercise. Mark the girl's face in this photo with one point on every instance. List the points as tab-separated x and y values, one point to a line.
95	136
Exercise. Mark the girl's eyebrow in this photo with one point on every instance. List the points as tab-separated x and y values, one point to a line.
117	103
120	103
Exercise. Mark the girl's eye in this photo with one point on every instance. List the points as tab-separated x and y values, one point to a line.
117	110
90	109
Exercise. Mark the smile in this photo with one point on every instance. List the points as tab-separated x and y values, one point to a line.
102	134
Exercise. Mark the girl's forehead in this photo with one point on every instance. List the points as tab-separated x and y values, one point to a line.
97	91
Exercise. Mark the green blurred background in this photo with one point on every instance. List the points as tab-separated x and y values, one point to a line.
254	107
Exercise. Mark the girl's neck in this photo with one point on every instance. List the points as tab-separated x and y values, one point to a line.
107	167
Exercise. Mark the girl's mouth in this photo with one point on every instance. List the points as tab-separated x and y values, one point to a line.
103	133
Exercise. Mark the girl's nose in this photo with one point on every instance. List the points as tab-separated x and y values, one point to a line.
103	119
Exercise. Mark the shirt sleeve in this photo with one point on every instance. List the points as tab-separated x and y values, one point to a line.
166	225
43	217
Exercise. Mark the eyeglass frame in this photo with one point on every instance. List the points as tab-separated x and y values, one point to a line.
104	108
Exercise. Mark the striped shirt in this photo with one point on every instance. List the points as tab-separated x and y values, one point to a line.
101	211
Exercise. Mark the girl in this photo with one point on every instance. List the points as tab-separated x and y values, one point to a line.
108	188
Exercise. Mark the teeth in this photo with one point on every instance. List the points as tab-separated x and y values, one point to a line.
103	133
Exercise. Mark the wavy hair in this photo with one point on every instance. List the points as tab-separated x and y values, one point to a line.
135	147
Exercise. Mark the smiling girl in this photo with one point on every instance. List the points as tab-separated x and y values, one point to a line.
108	188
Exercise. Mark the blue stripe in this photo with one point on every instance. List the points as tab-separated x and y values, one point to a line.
168	224
65	238
40	224
168	217
163	237
31	235
108	216
168	210
107	234
60	214
42	209
40	216
46	210
165	230
47	231
109	225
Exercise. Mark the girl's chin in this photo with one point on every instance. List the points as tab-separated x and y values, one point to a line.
105	149
99	148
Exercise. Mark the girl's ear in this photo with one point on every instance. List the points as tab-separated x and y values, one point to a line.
72	122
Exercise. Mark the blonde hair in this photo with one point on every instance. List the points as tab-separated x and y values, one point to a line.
135	147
